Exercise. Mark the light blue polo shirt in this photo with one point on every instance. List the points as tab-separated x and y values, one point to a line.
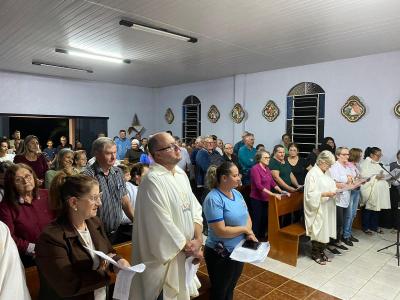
218	207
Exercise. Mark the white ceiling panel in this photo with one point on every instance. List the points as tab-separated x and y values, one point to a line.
234	36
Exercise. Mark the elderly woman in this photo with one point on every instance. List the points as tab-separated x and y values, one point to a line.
63	162
262	185
69	270
228	223
320	206
24	209
375	193
133	154
353	166
80	160
31	156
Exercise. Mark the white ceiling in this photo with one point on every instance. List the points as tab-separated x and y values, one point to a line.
235	37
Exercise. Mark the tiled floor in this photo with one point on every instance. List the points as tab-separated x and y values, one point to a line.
361	273
258	283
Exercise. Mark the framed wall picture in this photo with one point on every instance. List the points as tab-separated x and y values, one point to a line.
270	111
397	109
353	109
237	113
213	114
169	116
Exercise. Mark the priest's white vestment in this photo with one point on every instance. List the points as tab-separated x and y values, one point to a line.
375	194
12	274
319	212
165	213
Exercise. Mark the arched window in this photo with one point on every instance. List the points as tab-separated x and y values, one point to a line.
305	115
191	118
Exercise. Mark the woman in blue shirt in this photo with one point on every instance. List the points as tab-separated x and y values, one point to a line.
228	223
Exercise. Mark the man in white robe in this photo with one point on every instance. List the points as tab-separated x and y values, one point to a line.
320	206
167	227
12	275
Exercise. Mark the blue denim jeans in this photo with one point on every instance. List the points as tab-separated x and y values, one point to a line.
350	213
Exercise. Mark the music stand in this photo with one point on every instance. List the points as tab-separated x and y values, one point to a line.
397	244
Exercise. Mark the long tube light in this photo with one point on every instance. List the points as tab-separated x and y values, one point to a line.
58	66
93	56
159	31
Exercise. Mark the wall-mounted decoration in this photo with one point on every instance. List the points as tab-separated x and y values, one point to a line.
397	109
135	126
213	114
169	116
237	113
353	109
270	111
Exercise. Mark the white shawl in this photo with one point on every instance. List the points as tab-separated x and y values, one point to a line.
12	275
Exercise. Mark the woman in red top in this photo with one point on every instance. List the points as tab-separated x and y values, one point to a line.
261	185
33	157
24	209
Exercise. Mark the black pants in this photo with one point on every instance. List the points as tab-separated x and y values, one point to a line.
259	217
224	274
339	222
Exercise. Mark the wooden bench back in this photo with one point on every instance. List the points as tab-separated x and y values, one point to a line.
289	204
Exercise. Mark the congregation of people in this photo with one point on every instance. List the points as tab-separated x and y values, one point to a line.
166	195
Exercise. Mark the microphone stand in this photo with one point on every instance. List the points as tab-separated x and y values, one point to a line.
397	244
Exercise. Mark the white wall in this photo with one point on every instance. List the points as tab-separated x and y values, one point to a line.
29	94
374	79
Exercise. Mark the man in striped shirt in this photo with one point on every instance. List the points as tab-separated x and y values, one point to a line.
111	180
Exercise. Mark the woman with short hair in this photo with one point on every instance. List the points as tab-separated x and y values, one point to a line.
228	223
350	212
68	267
262	185
320	206
25	209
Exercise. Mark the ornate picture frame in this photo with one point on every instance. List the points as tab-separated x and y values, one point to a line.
397	109
213	114
270	111
237	113
353	110
169	116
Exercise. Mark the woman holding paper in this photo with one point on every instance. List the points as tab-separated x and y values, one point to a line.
228	224
320	206
68	269
261	185
375	193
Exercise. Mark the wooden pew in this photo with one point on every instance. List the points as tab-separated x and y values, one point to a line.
284	241
32	282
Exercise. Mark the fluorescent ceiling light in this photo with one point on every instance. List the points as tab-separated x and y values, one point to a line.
93	56
58	66
159	31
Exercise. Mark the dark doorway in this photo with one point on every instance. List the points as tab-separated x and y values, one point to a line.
43	127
